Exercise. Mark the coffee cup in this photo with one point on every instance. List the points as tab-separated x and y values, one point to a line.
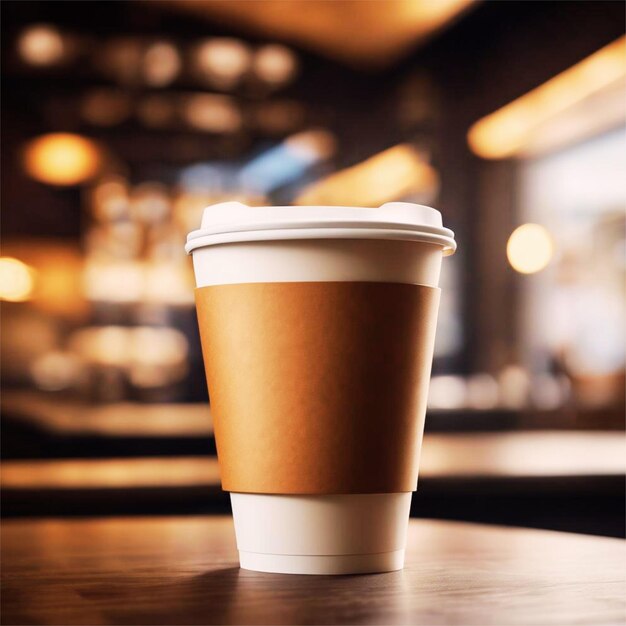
317	327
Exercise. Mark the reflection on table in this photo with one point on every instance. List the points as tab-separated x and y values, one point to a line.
185	571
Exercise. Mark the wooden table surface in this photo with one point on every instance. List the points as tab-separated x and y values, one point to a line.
184	571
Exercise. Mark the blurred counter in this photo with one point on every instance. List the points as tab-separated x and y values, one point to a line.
562	480
40	425
524	455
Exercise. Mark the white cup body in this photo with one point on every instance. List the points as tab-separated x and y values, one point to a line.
312	260
321	534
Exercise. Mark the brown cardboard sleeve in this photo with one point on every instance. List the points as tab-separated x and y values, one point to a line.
318	387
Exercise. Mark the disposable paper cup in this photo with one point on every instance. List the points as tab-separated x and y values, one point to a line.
398	243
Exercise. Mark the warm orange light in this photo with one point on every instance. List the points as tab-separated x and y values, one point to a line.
55	268
386	176
41	45
275	64
62	159
161	64
109	199
113	281
212	113
529	249
433	14
507	131
223	61
152	356
17	280
371	34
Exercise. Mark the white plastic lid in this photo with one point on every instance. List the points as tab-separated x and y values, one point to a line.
230	222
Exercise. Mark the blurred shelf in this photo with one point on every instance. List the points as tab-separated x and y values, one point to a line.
524	455
111	474
40	425
124	419
77	429
565	481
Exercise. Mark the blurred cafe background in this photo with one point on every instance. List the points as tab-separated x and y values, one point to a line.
122	120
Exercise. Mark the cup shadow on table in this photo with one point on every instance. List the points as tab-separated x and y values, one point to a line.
228	595
231	595
235	596
238	596
207	598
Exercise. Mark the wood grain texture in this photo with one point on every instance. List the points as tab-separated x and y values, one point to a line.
184	571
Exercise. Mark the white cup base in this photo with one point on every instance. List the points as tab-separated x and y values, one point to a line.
322	564
321	534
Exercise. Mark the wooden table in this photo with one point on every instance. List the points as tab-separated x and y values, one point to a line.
184	571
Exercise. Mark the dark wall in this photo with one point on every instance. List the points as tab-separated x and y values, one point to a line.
39	101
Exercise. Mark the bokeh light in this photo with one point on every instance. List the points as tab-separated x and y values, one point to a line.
447	392
110	199
223	61
17	280
161	64
41	45
56	370
386	176
275	64
288	161
482	392
150	202
62	159
313	145
529	249
151	356
106	345
505	132
211	113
